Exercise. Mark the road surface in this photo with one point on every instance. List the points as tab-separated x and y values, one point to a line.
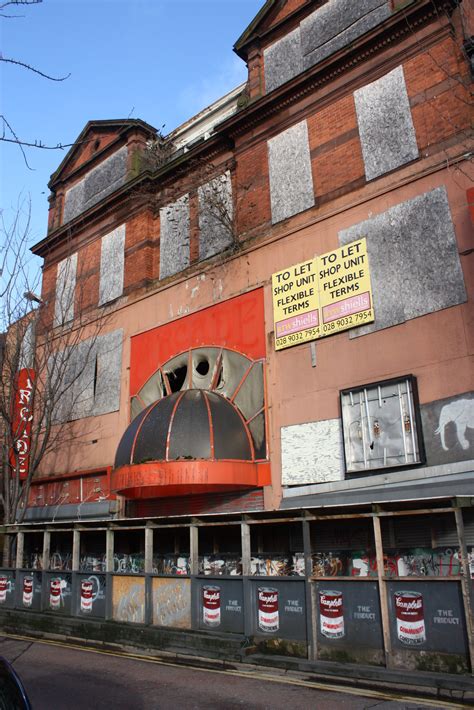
59	677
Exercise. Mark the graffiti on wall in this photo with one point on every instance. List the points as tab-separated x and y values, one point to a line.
448	429
417	562
172	603
128	599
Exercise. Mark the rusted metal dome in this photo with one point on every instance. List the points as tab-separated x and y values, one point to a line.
191	424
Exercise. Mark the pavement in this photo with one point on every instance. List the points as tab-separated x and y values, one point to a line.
61	676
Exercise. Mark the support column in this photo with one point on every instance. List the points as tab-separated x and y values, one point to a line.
76	550
20	546
465	584
246	552
194	549
311	629
109	551
148	550
387	642
46	548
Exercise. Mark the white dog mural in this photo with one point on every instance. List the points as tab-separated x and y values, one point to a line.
461	414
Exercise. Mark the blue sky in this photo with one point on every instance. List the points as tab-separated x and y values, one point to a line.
159	60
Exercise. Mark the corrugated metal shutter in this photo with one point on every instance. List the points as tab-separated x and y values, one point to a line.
468	516
342	535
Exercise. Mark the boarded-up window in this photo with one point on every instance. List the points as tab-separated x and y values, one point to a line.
86	378
111	265
99	182
387	134
65	290
174	237
282	60
312	453
417	237
216	225
291	180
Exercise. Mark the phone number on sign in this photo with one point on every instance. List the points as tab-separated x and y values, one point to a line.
346	321
301	337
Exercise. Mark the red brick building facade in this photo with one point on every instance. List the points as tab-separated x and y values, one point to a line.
354	124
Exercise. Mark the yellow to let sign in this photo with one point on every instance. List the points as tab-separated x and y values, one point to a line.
322	296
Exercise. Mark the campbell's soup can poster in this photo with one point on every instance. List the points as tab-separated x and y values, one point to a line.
268	609
4	588
87	589
410	615
331	613
211	605
27	592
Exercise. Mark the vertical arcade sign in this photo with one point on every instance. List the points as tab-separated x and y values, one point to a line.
322	296
22	416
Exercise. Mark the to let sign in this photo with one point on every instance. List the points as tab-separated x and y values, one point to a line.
322	296
22	417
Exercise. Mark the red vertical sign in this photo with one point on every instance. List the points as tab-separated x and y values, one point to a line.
22	417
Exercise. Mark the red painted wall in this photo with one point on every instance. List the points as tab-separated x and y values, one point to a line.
237	324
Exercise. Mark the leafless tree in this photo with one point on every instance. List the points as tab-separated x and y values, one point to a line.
48	364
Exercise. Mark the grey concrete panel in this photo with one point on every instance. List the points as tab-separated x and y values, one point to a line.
413	260
74	201
448	429
215	216
109	372
291	179
97	184
174	237
282	60
387	134
112	265
312	452
65	288
336	24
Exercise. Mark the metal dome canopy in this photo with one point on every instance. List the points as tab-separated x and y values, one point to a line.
190	441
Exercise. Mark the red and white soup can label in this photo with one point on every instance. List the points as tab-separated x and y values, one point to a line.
268	614
4	588
410	616
86	596
27	591
331	614
211	605
55	593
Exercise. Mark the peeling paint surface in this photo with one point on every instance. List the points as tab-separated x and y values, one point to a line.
174	238
112	265
312	452
387	134
417	237
291	179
